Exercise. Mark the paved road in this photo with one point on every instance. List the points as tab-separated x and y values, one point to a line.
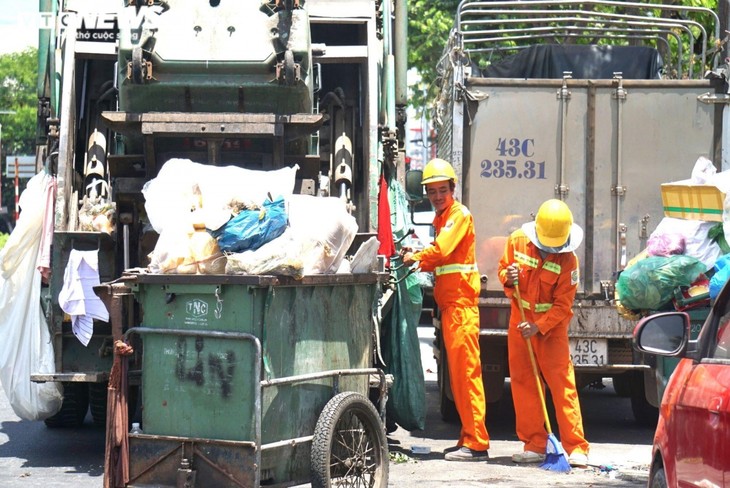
32	455
616	441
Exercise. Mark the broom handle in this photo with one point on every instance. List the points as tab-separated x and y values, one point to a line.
534	363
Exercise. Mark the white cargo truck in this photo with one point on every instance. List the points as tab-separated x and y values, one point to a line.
596	103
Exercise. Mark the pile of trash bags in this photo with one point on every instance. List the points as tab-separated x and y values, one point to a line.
685	263
215	220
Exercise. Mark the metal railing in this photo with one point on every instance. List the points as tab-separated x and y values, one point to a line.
488	31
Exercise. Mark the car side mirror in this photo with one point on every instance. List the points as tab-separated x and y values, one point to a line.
665	334
414	188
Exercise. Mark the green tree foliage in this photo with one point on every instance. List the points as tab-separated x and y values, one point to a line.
18	72
429	23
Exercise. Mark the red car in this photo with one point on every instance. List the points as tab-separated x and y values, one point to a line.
692	438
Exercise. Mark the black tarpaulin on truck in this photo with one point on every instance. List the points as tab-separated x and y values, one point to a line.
585	62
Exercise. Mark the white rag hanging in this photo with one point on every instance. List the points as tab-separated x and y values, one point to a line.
77	297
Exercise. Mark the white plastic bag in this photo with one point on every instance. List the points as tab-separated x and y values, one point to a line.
703	171
172	253
26	342
326	228
319	235
185	250
182	185
281	256
697	244
365	259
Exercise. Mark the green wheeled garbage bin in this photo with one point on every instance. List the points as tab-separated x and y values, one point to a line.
258	381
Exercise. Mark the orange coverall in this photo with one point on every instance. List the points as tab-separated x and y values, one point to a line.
456	291
547	287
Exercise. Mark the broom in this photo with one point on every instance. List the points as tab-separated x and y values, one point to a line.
555	457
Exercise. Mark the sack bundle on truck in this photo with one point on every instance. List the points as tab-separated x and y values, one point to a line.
684	264
681	265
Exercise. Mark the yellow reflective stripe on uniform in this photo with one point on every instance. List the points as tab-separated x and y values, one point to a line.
523	258
455	268
550	266
539	307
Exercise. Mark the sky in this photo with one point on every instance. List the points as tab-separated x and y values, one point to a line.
17	31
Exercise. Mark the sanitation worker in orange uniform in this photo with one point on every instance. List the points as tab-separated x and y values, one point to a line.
452	260
540	258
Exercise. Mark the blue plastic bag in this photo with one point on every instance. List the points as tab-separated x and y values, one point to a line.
251	229
722	274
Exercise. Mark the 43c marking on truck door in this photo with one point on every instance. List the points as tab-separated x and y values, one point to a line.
514	161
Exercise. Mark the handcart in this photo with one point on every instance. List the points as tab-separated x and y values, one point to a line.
249	381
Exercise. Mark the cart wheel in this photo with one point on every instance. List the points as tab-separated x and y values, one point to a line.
349	445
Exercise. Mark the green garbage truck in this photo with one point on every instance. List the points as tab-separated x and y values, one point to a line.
236	380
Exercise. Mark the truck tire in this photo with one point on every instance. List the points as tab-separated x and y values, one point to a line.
645	414
349	446
447	407
622	385
74	407
98	400
97	403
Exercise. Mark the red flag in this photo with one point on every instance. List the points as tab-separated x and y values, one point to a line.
385	232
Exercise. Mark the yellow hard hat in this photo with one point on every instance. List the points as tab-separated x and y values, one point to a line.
437	170
553	223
